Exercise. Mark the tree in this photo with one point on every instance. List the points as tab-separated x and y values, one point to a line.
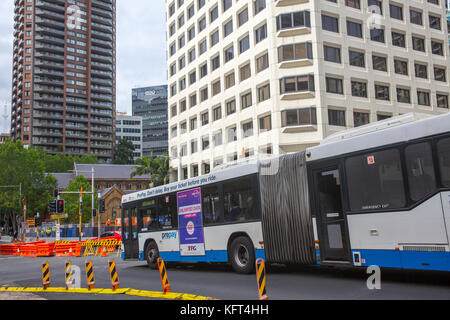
64	162
156	167
72	201
124	152
26	167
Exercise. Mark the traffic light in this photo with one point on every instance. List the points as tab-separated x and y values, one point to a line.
52	206
102	206
60	206
94	212
55	193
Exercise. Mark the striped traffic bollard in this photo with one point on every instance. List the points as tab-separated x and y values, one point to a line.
113	274
68	275
261	279
90	280
163	273
45	275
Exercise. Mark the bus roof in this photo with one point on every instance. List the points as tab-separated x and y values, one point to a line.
212	177
400	132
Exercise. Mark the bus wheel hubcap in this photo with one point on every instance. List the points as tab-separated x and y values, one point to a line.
241	256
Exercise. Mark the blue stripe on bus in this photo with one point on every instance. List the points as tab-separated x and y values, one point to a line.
439	261
210	256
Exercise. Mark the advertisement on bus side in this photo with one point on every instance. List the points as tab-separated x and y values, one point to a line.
190	223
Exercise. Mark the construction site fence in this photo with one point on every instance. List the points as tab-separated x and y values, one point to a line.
69	231
62	248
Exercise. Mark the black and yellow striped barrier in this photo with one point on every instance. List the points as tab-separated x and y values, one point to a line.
92	247
113	274
90	279
68	274
261	279
62	242
163	273
45	275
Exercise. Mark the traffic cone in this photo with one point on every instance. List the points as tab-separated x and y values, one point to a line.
104	253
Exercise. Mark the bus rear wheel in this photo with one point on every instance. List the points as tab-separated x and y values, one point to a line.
152	255
242	255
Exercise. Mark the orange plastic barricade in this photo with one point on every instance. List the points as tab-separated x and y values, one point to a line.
45	249
28	250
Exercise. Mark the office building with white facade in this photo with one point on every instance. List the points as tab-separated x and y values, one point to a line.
130	128
250	77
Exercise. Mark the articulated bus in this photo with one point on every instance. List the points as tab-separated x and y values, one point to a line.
373	195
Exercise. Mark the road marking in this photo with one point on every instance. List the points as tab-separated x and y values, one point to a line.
127	291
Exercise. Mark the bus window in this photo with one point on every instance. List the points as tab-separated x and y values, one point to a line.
148	216
375	181
211	205
167	211
443	147
239	202
419	164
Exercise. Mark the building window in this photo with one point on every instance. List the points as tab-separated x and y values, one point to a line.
382	92
217	113
243	17
263	93
360	118
297	84
415	17
379	63
359	89
421	71
261	33
229	54
245	72
356	58
298	117
231	107
442	100
293	20
418	44
401	67
336	117
231	134
247	129
246	100
398	39
262	62
377	35
265	123
244	44
330	23
354	29
332	54
295	51
229	80
423	98
403	95
396	12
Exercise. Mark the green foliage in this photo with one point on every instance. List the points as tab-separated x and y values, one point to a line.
156	167
61	163
124	152
27	167
72	201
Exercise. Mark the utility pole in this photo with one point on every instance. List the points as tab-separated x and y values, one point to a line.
79	211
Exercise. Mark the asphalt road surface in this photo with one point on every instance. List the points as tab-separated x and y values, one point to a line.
219	281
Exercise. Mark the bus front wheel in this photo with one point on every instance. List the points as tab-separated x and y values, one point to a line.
152	255
242	255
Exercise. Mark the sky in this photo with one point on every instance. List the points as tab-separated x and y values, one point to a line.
140	53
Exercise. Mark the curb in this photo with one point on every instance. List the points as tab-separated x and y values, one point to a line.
127	291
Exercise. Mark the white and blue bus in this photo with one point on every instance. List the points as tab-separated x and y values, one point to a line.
375	195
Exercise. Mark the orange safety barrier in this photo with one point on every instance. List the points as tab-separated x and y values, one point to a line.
46	249
68	250
28	250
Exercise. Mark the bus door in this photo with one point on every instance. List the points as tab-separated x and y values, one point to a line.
331	224
130	233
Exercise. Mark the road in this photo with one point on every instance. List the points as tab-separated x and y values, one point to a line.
219	281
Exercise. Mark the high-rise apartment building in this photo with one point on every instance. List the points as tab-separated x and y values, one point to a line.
150	103
254	77
130	128
63	94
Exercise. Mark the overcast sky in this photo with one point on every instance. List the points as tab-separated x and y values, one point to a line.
141	53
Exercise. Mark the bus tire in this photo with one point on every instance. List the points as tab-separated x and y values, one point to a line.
242	255
152	255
